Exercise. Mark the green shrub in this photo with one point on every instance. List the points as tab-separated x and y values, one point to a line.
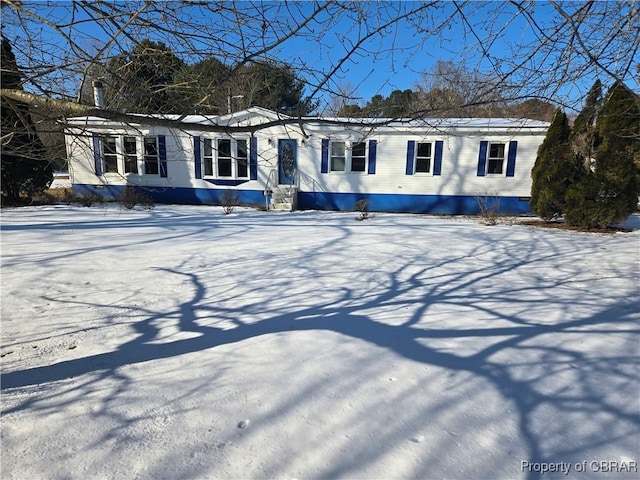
609	194
556	168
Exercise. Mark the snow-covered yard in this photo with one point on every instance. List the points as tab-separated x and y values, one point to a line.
183	343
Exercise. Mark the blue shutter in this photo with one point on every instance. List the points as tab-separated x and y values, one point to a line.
482	159
437	159
162	153
197	154
97	154
373	147
324	166
253	159
411	151
511	158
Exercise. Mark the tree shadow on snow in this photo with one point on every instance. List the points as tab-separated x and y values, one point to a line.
518	352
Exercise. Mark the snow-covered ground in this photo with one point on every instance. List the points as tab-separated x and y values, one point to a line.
183	343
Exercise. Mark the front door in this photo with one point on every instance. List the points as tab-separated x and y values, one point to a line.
287	161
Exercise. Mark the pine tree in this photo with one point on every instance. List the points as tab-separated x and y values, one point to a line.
610	194
556	168
143	80
24	167
584	137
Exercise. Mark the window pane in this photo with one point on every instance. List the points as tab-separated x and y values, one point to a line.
110	163
208	151
109	145
423	165
208	166
150	147
150	166
129	145
224	167
242	167
224	148
337	164
242	149
424	150
496	150
358	164
130	164
337	149
495	166
358	149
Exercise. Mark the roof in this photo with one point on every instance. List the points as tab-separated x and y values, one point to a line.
437	122
255	116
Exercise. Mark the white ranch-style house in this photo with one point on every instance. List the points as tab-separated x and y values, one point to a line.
421	166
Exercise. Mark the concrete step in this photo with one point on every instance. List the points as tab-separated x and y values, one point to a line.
283	198
282	206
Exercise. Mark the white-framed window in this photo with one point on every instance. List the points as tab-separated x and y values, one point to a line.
495	158
242	159
424	157
151	157
109	154
359	157
338	160
130	148
207	157
225	157
348	157
129	155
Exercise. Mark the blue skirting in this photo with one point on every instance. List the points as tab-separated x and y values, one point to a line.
378	202
386	202
185	196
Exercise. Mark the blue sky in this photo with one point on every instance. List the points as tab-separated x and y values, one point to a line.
389	61
409	55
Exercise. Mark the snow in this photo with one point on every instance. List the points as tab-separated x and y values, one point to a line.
184	343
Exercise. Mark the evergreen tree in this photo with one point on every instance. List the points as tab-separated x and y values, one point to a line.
143	80
556	168
375	107
24	167
584	137
610	194
398	104
204	87
272	85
